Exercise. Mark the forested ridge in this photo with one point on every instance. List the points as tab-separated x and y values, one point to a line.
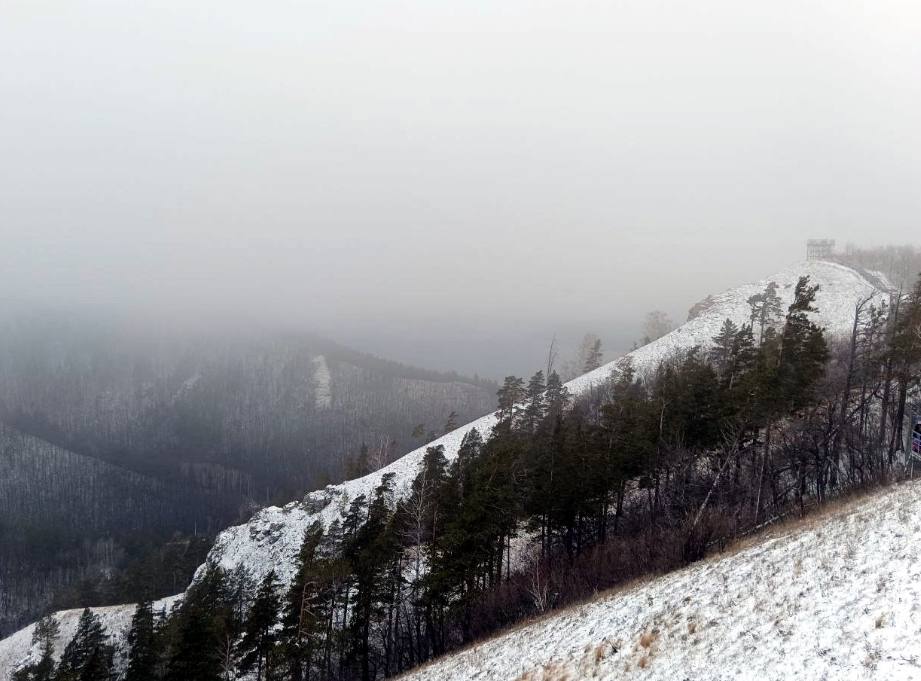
67	520
644	474
124	449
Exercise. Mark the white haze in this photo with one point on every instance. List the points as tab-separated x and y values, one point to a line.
446	183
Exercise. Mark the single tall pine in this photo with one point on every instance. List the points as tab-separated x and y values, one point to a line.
766	309
142	651
258	631
44	635
88	656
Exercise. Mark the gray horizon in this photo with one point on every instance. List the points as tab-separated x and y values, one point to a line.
447	185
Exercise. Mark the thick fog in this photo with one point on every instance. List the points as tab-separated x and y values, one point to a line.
445	183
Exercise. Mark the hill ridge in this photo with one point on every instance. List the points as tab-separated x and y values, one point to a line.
272	537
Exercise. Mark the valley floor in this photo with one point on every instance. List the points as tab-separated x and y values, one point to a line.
836	596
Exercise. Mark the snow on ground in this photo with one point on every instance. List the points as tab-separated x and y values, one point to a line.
272	537
17	649
836	599
323	382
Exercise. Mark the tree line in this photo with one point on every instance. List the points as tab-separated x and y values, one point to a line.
565	497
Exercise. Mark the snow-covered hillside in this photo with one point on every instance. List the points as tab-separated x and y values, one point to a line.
17	649
271	539
839	598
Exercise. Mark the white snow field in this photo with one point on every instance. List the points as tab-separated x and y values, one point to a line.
833	599
272	537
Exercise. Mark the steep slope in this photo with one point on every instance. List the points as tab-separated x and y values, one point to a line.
271	539
273	536
834	599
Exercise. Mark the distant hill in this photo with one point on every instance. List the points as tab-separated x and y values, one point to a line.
138	435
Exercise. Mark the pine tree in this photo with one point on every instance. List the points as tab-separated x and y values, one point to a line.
99	665
803	351
203	625
197	654
258	630
592	354
534	410
143	655
239	586
369	547
45	632
360	465
425	491
556	397
303	618
766	309
509	397
906	354
724	344
87	657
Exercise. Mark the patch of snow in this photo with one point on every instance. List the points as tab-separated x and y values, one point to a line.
187	386
322	383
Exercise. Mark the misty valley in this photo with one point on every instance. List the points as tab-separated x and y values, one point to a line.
131	461
460	341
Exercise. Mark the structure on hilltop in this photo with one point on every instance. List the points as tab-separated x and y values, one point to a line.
820	249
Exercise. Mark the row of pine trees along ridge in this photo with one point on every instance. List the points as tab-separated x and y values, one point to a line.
645	474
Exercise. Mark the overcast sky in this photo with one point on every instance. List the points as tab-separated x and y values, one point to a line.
440	181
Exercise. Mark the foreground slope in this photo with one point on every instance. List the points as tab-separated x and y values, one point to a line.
837	598
271	539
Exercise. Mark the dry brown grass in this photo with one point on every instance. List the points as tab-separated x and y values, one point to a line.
692	627
644	662
553	671
556	672
601	651
647	638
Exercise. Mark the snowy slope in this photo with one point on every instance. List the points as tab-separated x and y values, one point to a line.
17	649
840	599
273	536
271	539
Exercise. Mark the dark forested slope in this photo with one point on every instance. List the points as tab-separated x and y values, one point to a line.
67	518
115	439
